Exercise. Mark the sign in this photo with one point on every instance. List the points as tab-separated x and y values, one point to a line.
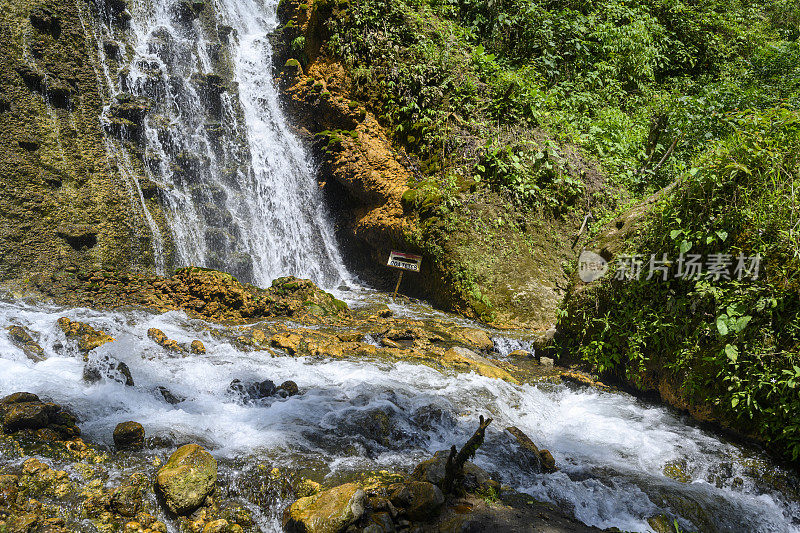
405	261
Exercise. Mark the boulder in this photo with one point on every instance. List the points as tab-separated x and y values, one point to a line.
126	500
330	511
198	347
188	477
420	499
129	436
25	411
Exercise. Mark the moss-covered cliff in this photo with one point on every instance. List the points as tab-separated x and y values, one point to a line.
65	200
488	253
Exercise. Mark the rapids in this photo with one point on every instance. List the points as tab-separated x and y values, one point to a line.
613	450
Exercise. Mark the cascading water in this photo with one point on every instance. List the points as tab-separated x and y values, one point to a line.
613	451
236	184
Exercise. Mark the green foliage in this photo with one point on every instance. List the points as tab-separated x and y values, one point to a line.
732	343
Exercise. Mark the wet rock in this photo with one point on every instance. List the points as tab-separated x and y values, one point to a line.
88	337
25	411
330	511
478	338
78	236
528	450
259	390
107	367
433	471
126	500
463	358
519	353
198	347
158	336
169	397
9	488
188	477
20	337
216	526
546	361
548	463
45	20
129	436
290	387
421	500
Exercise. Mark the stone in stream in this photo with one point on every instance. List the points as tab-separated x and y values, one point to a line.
21	338
129	436
160	338
330	511
188	477
107	367
169	397
259	390
25	411
198	347
88	337
535	459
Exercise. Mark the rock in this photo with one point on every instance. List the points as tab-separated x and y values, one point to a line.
479	339
546	361
88	337
420	499
30	415
198	347
249	392
78	236
459	357
548	463
529	450
188	477
290	387
158	336
216	526
129	436
169	397
21	338
126	500
9	487
25	411
330	511
519	353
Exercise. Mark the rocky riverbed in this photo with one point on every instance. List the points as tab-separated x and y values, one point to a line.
196	403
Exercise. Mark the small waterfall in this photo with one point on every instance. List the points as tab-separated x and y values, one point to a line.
236	185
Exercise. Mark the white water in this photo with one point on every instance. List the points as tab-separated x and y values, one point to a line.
611	448
236	184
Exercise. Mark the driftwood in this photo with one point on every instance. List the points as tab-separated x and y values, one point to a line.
454	469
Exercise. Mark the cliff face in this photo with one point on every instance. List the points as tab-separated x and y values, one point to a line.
64	199
483	256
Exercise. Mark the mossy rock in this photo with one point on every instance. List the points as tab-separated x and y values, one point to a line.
187	479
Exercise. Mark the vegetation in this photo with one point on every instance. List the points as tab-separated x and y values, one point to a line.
509	96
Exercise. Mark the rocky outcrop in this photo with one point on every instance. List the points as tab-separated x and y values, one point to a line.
187	479
86	336
25	411
200	292
21	338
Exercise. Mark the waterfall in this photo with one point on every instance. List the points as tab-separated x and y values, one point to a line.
237	187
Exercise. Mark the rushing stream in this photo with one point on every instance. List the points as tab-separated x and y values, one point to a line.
614	451
241	196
